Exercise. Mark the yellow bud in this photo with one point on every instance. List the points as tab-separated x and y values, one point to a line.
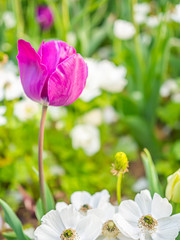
121	163
173	187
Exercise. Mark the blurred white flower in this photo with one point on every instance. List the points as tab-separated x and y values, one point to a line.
91	89
112	76
3	119
176	97
67	223
147	218
140	12
87	137
25	109
145	38
56	113
9	19
71	38
140	185
175	16
94	117
152	21
168	87
30	232
110	115
142	8
10	84
124	30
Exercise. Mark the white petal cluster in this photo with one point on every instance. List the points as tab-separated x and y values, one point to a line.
93	217
140	12
9	19
124	30
87	137
103	75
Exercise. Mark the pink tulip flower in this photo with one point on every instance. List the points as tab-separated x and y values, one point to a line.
55	75
44	17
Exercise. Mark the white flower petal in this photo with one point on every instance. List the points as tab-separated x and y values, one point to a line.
160	207
99	198
89	228
130	211
125	227
46	232
144	200
53	220
70	217
78	199
61	205
168	229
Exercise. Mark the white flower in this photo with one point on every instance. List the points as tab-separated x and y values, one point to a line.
124	30
168	88
91	89
112	77
110	115
30	232
140	12
3	119
9	19
25	109
176	14
109	230
153	21
94	117
68	224
147	218
87	137
84	201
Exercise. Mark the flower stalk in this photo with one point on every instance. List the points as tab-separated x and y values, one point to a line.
40	159
119	181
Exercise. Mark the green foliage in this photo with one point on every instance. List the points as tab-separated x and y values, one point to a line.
13	221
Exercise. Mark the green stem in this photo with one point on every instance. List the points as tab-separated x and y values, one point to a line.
119	188
40	159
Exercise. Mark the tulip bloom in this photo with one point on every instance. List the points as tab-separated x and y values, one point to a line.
44	17
55	75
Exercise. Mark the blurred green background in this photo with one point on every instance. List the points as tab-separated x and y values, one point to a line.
131	101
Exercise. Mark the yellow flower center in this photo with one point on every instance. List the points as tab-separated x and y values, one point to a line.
69	234
148	224
110	230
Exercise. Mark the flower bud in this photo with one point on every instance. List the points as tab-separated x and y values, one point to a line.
173	187
121	164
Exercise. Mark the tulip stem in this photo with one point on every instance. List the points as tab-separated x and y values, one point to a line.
119	181
40	159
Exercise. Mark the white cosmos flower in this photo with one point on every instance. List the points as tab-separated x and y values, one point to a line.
124	30
25	109
68	224
147	218
112	76
87	137
168	87
84	201
3	119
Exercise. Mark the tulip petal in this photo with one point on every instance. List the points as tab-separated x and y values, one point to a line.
67	82
53	53
33	74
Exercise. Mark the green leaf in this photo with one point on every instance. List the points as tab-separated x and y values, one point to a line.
13	221
10	236
50	203
154	184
